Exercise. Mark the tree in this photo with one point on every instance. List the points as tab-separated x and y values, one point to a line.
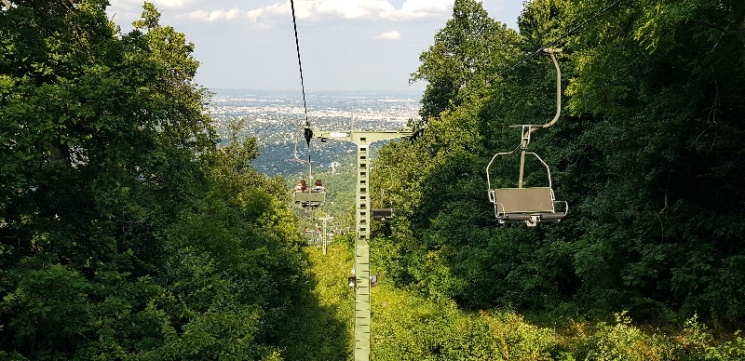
646	153
125	232
464	57
661	85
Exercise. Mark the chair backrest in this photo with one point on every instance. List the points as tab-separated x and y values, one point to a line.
309	197
524	200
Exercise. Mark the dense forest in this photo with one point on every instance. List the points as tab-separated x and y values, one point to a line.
648	153
127	233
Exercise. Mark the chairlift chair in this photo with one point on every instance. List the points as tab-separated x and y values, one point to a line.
313	236
530	205
382	214
305	196
309	198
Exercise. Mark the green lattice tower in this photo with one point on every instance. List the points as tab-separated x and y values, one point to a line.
362	304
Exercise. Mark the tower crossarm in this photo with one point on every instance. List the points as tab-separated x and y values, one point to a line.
362	137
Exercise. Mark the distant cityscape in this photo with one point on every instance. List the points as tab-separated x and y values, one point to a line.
276	118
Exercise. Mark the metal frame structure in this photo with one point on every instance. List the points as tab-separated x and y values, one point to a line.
324	233
362	303
529	205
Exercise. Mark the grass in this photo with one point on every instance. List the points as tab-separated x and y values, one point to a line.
407	326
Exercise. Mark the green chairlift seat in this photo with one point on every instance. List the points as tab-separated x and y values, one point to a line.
313	236
309	198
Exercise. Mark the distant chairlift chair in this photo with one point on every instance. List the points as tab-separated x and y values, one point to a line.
382	214
309	197
312	235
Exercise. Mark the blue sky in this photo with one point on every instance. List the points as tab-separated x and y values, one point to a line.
344	44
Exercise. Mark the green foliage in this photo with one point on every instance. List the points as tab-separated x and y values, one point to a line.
465	54
697	343
408	326
321	326
625	342
647	153
125	233
411	328
654	114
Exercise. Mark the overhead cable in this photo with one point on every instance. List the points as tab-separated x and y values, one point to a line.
300	65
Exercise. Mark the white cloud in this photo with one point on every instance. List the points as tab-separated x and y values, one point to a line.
416	9
350	9
319	10
169	4
159	4
371	9
126	3
129	10
203	15
261	15
389	35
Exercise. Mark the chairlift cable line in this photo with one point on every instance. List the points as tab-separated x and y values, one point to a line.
299	63
308	133
306	197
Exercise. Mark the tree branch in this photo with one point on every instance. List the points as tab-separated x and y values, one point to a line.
740	38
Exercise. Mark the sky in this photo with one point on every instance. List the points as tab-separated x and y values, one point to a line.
345	45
